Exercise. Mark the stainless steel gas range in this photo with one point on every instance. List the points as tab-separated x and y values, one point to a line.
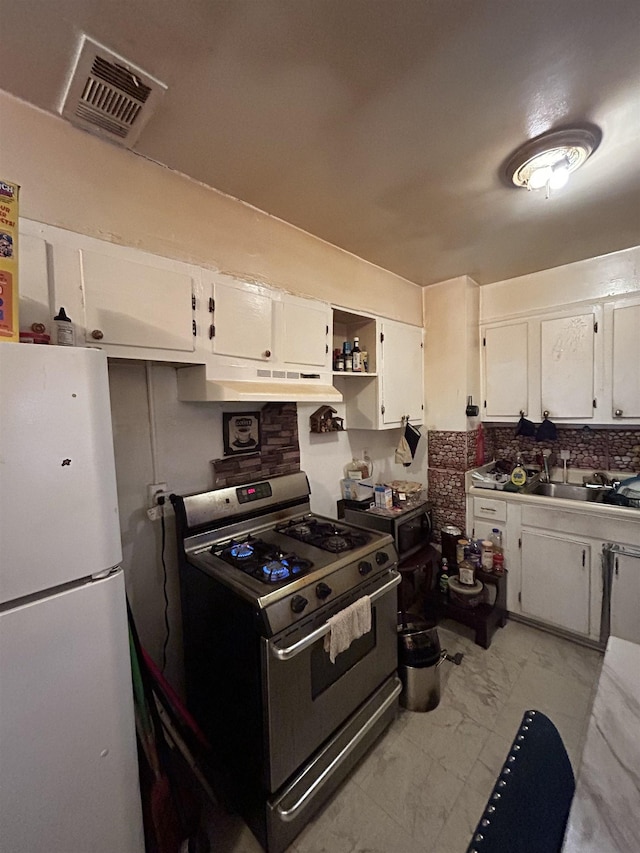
260	576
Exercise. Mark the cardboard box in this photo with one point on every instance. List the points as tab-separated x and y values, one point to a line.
9	299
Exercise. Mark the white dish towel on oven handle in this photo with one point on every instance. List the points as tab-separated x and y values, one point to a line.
346	626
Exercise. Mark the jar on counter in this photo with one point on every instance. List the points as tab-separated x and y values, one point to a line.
498	563
487	555
466	573
461	545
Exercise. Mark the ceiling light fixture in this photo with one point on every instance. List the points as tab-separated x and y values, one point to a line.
547	161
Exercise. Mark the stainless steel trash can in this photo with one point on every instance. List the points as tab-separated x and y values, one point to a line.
419	659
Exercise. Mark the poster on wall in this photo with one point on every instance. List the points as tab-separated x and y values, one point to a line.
241	432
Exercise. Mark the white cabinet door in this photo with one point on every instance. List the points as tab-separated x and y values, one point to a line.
625	598
626	362
402	373
556	580
305	332
567	366
135	304
506	371
242	324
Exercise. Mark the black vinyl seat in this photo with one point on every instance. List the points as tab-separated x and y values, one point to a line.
528	808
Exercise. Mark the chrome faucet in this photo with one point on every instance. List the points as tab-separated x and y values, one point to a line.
548	460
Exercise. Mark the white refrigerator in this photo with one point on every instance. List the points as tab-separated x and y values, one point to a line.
68	761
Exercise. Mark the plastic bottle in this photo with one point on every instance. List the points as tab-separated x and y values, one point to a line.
443	580
496	540
65	333
498	554
356	356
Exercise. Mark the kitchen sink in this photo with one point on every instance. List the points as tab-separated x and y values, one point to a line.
568	491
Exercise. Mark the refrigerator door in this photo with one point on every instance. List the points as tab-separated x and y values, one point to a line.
67	734
58	500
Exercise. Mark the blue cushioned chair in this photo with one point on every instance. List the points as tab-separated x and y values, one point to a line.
529	806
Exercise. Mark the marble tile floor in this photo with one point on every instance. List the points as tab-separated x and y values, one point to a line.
423	786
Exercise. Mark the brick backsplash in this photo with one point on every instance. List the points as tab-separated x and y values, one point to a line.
451	453
279	453
589	447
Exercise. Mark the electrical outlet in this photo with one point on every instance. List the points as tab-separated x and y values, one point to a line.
156	490
154	512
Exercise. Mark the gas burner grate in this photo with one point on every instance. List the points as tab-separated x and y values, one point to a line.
261	560
324	534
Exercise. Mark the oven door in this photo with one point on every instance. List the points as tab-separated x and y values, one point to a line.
306	696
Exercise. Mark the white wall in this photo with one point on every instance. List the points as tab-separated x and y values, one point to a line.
452	356
592	279
79	182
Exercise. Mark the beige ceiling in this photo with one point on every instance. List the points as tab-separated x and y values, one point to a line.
378	125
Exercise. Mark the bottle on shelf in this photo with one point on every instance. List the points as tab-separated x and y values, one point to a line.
65	333
443	578
348	357
356	356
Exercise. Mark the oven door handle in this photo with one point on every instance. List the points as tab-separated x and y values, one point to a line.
291	651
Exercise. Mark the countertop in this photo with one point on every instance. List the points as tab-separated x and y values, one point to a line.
602	509
605	813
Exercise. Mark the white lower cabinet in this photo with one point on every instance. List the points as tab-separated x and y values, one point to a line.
625	598
555	580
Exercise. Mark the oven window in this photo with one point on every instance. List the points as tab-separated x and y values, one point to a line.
324	673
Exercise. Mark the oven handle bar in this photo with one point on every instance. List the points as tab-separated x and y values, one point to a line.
310	639
288	815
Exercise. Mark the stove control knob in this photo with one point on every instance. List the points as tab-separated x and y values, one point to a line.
298	603
381	558
323	591
364	567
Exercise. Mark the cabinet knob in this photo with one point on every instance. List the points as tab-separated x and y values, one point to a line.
97	335
618	413
546	413
267	353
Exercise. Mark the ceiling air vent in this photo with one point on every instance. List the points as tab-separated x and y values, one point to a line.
109	95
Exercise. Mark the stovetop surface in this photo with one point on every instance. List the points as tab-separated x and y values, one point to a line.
267	563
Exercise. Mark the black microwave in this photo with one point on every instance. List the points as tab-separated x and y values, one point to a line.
411	528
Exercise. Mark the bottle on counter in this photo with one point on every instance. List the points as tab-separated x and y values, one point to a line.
356	355
473	554
443	579
496	540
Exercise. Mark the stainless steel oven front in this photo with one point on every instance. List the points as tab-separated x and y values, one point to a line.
307	696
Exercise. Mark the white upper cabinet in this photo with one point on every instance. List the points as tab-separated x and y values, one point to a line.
506	371
241	319
550	363
402	373
392	388
624	349
305	327
133	304
567	366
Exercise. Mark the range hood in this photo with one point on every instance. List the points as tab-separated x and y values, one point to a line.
194	386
